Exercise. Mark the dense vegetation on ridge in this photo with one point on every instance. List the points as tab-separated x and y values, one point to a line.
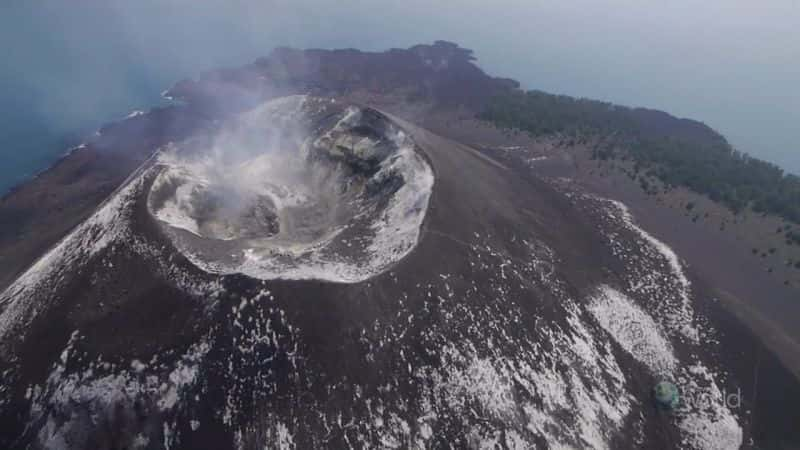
679	152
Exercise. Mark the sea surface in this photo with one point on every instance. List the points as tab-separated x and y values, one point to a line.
31	140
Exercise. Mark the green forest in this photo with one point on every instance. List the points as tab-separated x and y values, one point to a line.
679	152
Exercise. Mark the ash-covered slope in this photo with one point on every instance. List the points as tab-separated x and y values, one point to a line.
359	282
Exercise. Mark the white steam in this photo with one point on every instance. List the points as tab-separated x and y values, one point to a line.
285	191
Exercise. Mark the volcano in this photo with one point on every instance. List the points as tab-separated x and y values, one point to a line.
304	266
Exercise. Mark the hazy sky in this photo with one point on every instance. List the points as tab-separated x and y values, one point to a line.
732	64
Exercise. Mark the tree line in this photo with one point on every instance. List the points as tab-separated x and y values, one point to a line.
679	152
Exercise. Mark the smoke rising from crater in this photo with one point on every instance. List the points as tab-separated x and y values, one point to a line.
297	188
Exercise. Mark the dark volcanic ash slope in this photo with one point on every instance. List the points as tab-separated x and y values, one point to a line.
358	282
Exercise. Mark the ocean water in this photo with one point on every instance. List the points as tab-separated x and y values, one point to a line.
67	68
27	152
30	142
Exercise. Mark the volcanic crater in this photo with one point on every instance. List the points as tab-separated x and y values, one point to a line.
298	188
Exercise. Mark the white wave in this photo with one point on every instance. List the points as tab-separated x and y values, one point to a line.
135	113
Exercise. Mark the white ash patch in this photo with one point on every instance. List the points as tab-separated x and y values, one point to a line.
261	335
683	286
582	405
110	394
485	379
658	287
653	272
633	329
559	384
269	432
108	391
705	414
